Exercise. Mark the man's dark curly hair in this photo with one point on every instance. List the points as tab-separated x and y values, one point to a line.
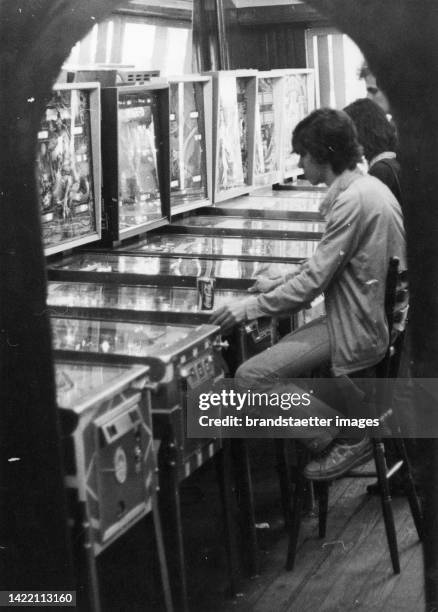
375	133
330	137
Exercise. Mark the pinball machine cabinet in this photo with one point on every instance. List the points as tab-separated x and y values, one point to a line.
179	358
109	461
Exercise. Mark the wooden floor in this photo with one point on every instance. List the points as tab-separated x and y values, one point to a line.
349	570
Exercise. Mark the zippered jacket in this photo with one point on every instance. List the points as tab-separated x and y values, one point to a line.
364	229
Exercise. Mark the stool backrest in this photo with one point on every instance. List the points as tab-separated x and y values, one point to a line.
396	308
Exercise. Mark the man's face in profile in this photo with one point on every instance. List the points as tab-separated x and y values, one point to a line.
375	94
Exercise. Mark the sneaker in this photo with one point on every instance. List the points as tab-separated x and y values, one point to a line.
338	460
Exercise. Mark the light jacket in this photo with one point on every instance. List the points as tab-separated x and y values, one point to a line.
364	229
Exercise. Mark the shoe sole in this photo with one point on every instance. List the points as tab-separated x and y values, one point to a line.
358	461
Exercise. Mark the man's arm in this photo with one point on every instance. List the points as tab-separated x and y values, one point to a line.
337	245
265	284
333	253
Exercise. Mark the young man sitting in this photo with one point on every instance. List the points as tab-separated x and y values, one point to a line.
364	229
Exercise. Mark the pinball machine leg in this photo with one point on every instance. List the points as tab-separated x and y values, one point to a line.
246	502
170	512
161	556
224	475
86	569
285	478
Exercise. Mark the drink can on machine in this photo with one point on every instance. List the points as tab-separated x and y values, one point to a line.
205	293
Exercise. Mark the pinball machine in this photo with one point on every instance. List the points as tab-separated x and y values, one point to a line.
109	461
179	359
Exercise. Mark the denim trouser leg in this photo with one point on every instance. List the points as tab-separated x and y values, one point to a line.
294	356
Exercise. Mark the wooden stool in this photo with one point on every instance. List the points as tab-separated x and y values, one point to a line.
387	369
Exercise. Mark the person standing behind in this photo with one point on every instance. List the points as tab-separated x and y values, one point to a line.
374	92
378	138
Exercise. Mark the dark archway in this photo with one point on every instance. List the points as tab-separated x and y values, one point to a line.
36	37
398	38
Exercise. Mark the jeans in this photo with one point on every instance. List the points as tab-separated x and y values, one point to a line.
296	355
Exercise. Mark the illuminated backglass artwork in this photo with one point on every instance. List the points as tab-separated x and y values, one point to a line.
297	105
230	166
266	159
64	171
139	190
188	173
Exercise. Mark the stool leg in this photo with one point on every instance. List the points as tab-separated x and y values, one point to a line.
223	469
284	478
323	495
294	529
409	486
385	497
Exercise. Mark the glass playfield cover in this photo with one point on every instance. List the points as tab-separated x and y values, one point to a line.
115	337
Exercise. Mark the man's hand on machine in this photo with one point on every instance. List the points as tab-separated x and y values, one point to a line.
228	316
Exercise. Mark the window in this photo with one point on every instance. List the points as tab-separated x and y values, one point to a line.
137	42
337	61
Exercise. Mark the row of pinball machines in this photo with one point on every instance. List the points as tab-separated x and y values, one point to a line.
161	147
130	332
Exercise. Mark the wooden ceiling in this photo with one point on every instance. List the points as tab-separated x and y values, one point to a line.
246	12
